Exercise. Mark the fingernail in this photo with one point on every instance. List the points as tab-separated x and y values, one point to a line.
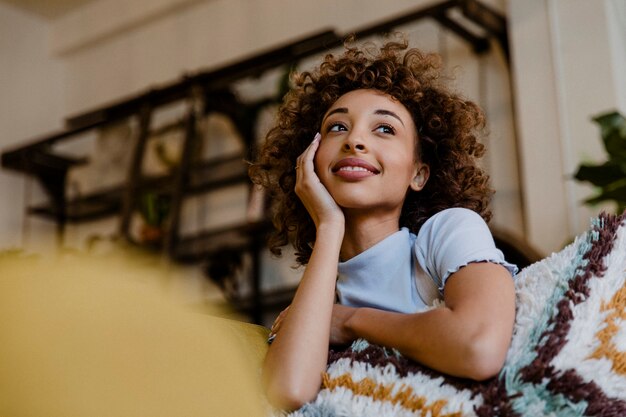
317	136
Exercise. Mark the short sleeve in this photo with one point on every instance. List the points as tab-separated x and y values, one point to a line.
452	239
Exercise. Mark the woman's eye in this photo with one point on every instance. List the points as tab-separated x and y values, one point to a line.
336	127
386	129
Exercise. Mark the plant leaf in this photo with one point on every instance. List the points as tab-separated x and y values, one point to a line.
610	120
616	193
600	175
615	144
613	131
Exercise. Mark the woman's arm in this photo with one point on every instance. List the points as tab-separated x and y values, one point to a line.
469	337
293	367
292	371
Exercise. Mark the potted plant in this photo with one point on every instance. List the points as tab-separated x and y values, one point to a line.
154	210
609	177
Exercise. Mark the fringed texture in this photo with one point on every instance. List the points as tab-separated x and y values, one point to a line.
583	291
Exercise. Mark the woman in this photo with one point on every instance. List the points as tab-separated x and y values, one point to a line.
387	209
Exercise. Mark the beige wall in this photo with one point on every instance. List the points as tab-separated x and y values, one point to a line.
31	104
568	66
107	55
110	49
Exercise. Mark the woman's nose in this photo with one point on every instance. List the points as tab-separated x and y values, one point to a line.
354	142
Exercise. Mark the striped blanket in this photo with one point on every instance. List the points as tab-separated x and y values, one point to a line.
567	357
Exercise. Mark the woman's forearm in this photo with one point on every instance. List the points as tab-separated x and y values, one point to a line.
467	338
292	371
436	338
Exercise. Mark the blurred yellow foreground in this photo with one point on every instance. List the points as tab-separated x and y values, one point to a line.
101	337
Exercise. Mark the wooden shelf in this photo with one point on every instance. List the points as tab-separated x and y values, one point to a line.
91	207
210	175
274	300
240	237
203	177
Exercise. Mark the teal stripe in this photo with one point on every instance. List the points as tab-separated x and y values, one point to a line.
564	276
359	345
537	400
317	410
532	395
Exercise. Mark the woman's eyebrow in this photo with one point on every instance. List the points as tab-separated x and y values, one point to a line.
337	110
379	111
389	113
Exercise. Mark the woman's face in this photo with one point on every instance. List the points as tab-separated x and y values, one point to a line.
367	154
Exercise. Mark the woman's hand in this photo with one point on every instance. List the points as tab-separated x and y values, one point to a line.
340	332
315	197
277	323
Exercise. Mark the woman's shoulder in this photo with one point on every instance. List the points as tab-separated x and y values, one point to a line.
454	238
455	216
454	229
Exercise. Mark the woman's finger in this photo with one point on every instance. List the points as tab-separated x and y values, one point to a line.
278	321
309	154
276	325
305	160
309	188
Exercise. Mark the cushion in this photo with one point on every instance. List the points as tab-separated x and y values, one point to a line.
567	356
105	337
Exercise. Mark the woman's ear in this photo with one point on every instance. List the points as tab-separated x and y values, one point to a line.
420	178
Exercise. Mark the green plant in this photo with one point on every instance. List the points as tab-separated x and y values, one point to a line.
154	208
609	177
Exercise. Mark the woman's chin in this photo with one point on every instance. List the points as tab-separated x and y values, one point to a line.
359	205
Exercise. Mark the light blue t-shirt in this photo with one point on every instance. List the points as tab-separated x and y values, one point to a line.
406	273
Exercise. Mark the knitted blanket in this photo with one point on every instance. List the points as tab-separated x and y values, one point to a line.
567	357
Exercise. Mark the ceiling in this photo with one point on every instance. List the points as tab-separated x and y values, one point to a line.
50	9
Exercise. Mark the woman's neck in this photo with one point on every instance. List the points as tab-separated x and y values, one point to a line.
364	231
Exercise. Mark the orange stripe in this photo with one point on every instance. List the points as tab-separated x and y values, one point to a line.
607	348
379	392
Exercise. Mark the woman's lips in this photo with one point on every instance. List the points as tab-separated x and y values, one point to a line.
354	168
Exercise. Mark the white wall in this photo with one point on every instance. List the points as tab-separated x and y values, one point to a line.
616	20
187	36
110	49
568	60
93	56
31	104
105	63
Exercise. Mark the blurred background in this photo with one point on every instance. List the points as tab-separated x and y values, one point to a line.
127	123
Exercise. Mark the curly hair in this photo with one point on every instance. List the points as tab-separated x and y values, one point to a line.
448	127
